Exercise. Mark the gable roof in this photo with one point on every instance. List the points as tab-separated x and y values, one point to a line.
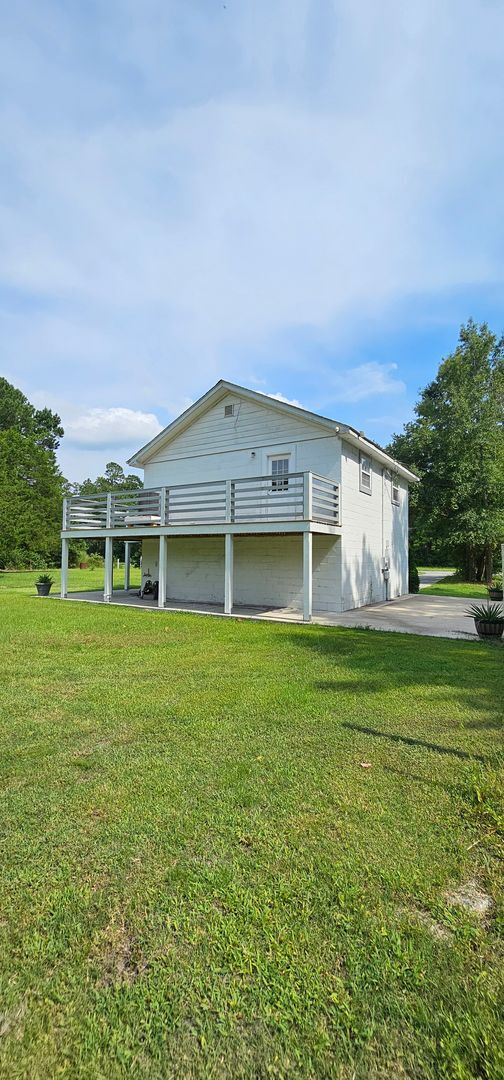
223	387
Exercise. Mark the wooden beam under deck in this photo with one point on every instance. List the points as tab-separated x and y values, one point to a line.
267	528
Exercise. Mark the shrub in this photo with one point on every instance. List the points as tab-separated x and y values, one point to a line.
45	579
413	578
94	561
77	555
491	613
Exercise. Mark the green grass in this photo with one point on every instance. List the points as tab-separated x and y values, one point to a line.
78	580
452	586
198	877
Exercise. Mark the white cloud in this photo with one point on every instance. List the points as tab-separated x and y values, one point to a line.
365	381
186	183
288	401
115	427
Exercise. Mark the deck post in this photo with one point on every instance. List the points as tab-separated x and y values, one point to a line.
162	564
307	575
307	496
228	513
127	563
163	506
108	586
64	568
228	573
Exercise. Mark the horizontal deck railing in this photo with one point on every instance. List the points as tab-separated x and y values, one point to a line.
297	496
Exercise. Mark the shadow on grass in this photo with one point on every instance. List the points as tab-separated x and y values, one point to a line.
380	661
408	740
418	779
455	675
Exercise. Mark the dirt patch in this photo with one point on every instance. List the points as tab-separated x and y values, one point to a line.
470	897
11	1021
434	928
119	957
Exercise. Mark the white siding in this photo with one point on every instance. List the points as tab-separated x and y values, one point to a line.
217	447
372	527
267	570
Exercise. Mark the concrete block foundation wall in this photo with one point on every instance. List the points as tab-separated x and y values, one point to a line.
267	570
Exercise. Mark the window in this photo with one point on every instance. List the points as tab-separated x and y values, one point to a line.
395	492
365	474
229	410
279	467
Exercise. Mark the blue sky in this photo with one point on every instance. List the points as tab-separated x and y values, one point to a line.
304	196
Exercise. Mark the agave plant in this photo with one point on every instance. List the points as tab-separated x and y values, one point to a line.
45	579
490	613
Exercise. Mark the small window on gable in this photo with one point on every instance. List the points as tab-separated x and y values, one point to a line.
229	410
395	492
365	474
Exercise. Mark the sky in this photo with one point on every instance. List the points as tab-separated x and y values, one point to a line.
301	196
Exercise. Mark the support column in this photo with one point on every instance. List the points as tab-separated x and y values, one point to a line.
228	573
162	565
108	586
64	568
127	546
307	575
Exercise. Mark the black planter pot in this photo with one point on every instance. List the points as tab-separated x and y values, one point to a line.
43	589
488	629
495	594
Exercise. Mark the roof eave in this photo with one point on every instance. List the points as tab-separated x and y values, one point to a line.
359	440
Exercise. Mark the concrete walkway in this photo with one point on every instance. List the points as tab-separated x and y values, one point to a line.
434	616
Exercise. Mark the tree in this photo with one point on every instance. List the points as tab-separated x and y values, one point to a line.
456	445
16	414
115	479
31	490
31	485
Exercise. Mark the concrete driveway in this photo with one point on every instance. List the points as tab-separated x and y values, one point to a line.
435	616
431	577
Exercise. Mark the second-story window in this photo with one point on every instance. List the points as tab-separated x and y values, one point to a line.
365	474
395	492
279	468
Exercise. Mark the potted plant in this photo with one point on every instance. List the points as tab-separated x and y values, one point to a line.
43	584
495	588
488	619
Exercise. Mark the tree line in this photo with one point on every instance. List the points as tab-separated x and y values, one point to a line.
32	487
455	444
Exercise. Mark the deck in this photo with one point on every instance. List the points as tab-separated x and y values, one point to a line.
296	502
245	504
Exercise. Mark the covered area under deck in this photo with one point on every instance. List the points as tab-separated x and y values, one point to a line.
287	555
242	611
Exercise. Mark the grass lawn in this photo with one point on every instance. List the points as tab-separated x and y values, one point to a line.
200	879
78	580
452	586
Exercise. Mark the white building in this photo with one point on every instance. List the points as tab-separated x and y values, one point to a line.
250	501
